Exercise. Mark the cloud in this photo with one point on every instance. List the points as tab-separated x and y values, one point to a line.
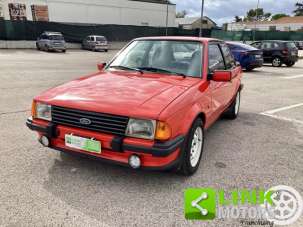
222	11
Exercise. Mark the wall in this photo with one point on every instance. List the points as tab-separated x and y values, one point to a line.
122	12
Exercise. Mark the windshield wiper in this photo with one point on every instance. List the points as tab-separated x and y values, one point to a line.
153	69
126	68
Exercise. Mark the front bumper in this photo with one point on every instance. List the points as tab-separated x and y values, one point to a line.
156	156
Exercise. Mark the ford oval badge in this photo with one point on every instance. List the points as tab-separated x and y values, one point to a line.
85	121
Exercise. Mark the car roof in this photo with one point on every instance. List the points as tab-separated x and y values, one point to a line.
179	38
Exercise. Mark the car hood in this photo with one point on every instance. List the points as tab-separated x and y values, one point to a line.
122	93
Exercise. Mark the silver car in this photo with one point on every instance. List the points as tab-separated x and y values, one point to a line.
51	41
95	43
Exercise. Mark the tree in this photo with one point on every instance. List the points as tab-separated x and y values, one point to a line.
257	14
238	19
299	9
181	14
278	16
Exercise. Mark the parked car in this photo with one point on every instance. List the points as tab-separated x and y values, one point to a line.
95	43
248	56
278	52
51	41
299	45
148	108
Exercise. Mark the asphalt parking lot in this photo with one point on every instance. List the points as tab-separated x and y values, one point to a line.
41	187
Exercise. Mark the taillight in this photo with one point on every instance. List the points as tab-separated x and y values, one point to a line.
285	51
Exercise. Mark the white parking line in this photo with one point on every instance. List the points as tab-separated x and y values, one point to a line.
270	113
292	77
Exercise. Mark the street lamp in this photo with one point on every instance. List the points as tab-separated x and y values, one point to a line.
256	19
166	30
202	15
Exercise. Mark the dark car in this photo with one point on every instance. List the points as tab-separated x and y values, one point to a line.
299	44
95	43
278	52
51	41
248	56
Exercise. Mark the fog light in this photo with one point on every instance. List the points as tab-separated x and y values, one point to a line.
134	161
44	141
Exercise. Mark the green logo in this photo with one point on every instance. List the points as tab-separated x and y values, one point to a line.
200	204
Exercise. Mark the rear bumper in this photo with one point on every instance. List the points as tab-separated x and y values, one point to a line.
156	156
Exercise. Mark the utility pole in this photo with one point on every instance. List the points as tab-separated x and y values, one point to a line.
166	30
256	20
202	15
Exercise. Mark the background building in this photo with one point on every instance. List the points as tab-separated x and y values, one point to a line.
120	12
195	22
282	24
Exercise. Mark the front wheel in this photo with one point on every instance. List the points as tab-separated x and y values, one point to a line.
233	111
276	62
193	149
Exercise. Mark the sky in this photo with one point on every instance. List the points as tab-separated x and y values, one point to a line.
222	11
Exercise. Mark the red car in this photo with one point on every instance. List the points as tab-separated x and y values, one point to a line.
148	108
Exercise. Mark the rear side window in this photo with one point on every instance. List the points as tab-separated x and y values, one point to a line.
100	39
229	59
275	45
266	45
215	58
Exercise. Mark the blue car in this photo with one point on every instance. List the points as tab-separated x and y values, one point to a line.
248	56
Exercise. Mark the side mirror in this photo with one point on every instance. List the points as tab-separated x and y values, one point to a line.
221	76
101	66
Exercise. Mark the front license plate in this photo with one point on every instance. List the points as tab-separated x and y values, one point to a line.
293	53
81	143
258	56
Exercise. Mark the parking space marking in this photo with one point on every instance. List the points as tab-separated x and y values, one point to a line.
271	113
292	77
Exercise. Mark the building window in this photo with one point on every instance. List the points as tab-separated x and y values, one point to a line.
272	28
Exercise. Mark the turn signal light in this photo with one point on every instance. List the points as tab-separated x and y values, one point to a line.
34	109
163	131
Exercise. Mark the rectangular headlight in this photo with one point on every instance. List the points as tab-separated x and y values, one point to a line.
144	129
43	111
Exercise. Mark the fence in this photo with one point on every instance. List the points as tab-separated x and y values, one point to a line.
29	30
257	35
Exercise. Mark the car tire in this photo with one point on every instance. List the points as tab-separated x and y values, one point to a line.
63	51
249	69
106	50
290	64
193	149
37	45
233	111
276	62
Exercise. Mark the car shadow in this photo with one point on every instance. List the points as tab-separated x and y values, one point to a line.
115	195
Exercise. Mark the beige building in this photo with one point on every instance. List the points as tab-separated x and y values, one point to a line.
282	24
195	22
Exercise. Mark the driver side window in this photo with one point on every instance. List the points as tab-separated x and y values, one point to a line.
215	58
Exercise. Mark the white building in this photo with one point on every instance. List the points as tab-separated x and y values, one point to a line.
122	12
282	24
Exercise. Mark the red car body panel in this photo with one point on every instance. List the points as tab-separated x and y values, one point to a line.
175	100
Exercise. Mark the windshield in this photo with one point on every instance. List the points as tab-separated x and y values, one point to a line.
162	56
56	37
100	39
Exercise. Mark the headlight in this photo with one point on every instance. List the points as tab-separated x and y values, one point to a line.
43	111
138	128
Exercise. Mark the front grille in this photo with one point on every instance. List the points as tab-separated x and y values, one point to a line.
99	122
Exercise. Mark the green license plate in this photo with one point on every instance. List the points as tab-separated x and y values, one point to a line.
81	143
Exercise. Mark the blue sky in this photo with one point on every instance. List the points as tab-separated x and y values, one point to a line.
222	11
